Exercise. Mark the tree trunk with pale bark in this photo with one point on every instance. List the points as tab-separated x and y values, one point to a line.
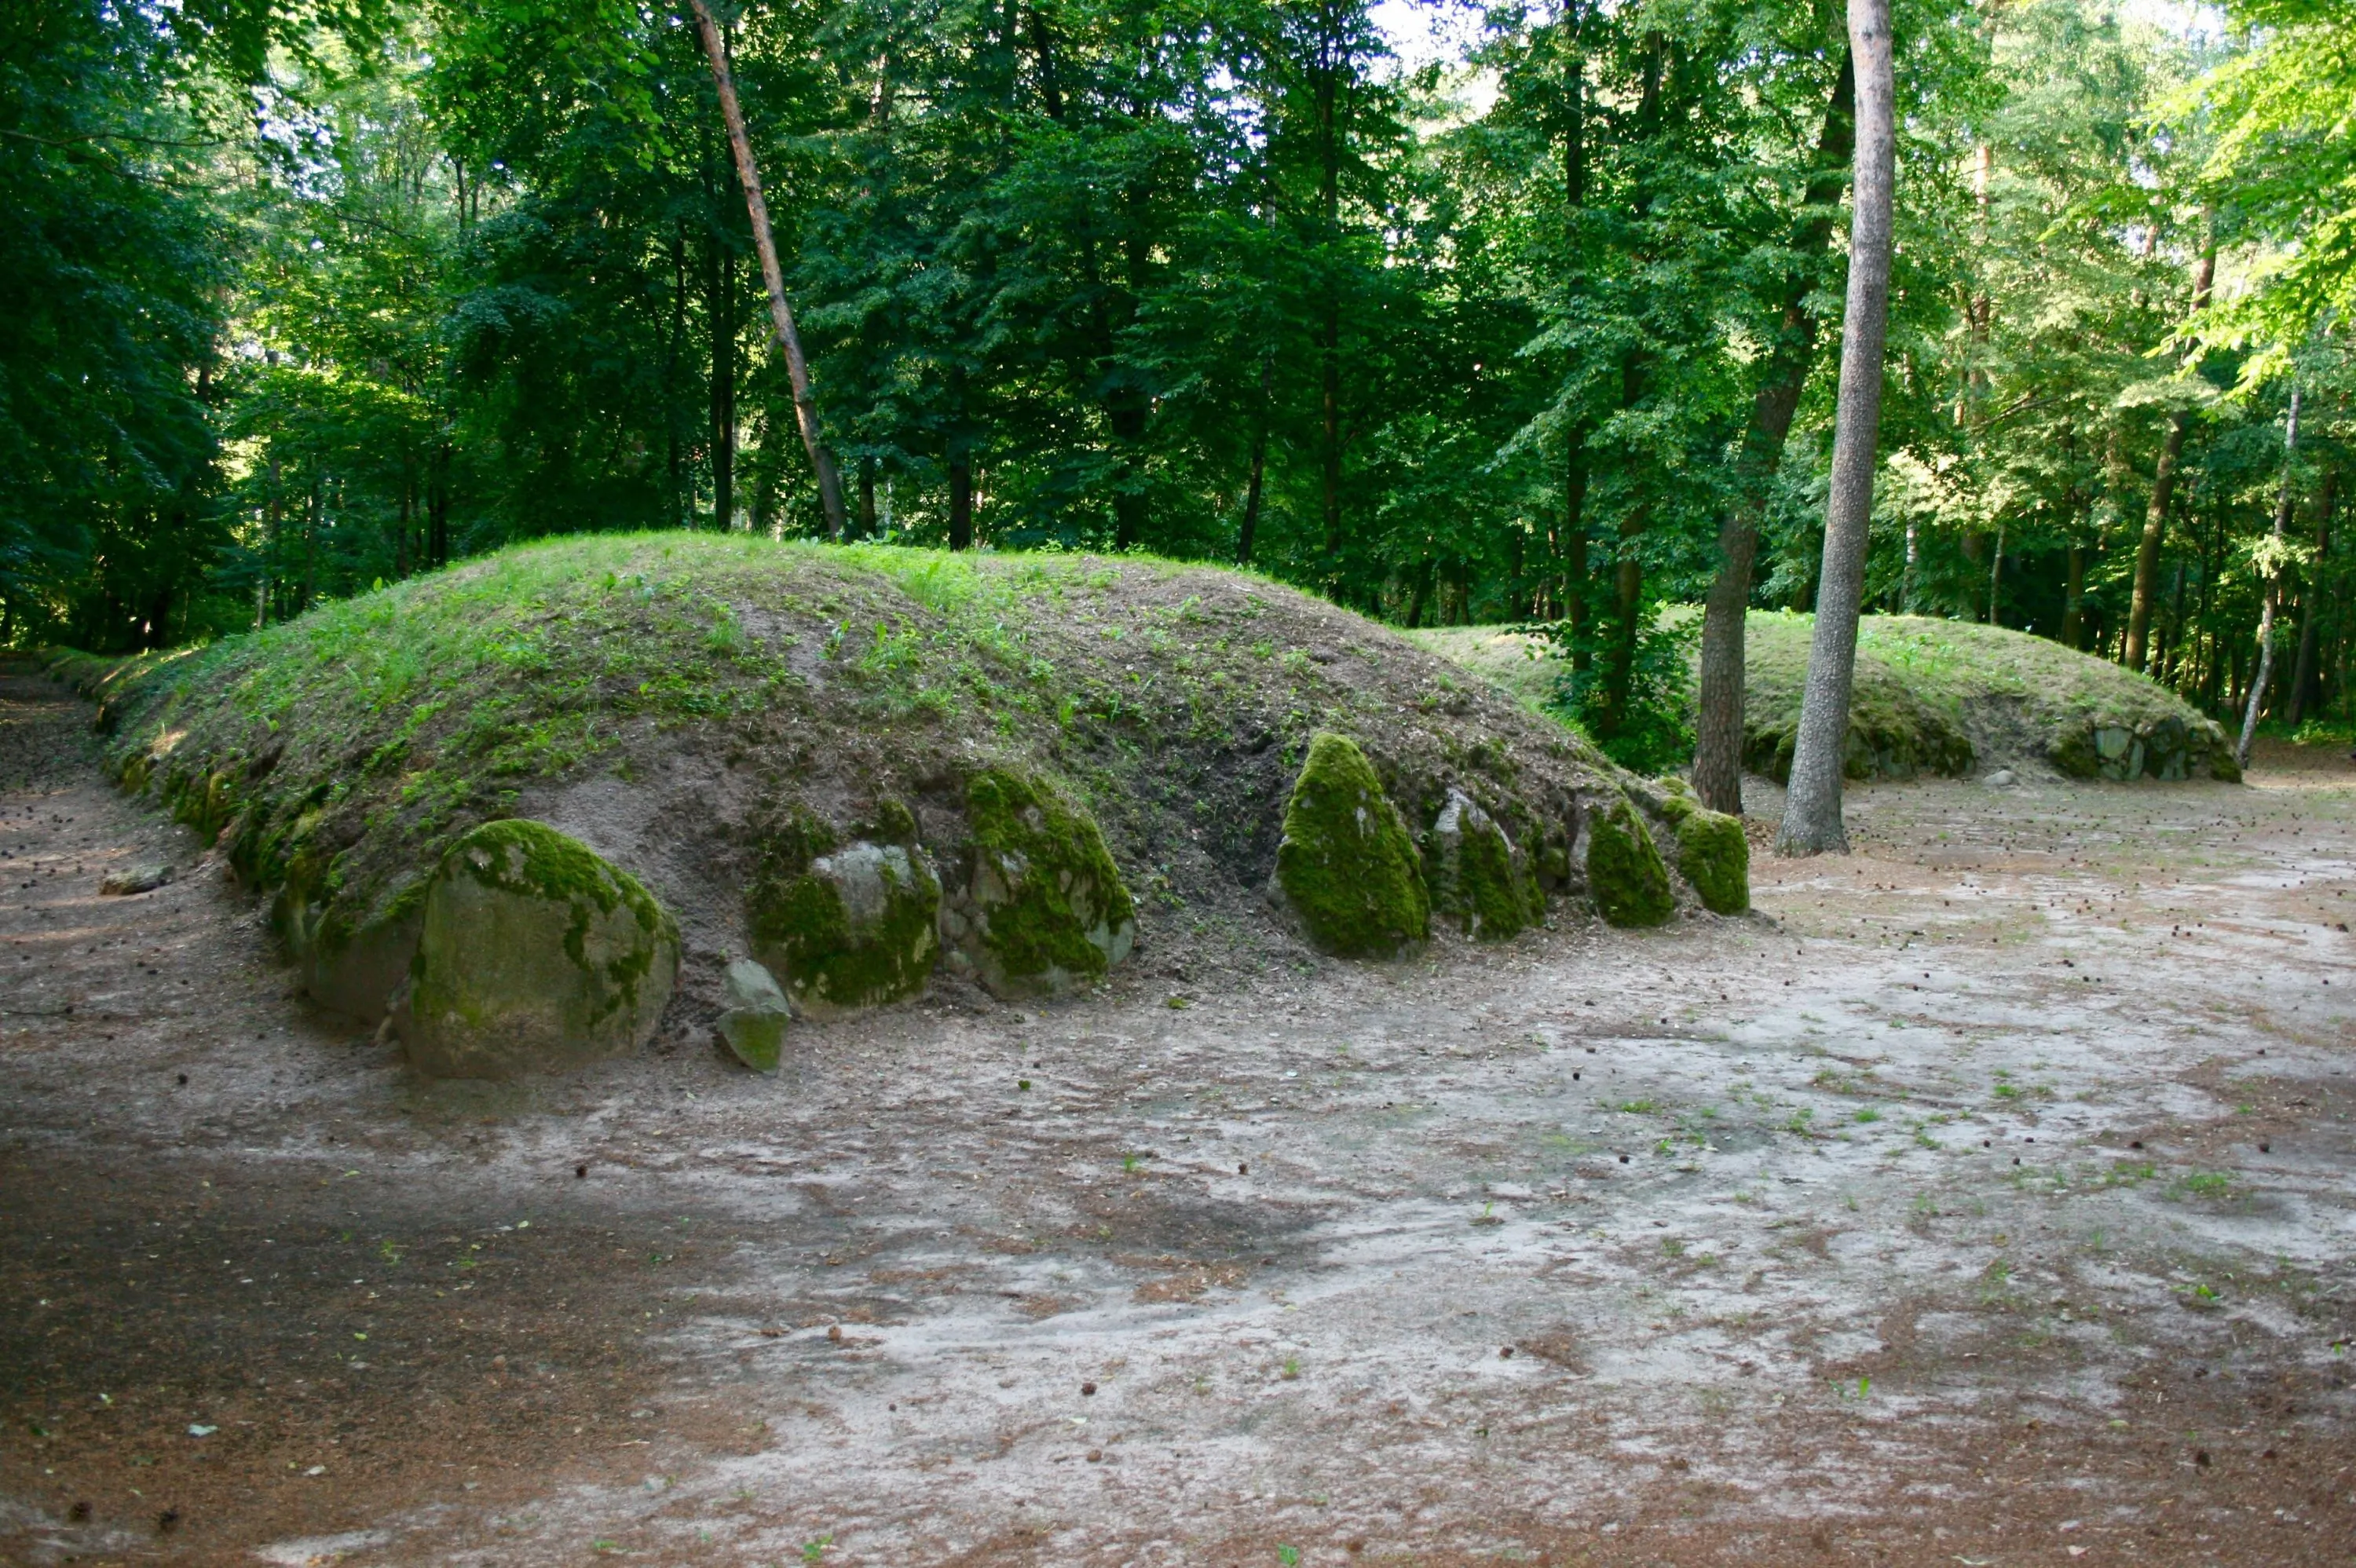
1812	813
1718	749
781	314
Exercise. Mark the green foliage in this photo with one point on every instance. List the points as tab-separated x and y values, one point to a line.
306	297
1646	725
1347	865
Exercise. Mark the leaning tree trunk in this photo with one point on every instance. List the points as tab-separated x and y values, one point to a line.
1718	738
1812	813
829	483
2274	589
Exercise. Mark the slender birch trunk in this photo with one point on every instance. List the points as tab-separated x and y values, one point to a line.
829	483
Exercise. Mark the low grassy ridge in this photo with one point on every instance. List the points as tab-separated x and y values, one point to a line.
685	703
1932	697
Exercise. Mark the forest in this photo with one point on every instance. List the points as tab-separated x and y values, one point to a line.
302	297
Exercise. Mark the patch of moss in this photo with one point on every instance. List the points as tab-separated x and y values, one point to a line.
1054	900
1347	864
1624	873
1713	853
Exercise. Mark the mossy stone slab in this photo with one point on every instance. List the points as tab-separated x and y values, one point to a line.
857	929
534	954
1624	873
755	1024
1713	852
1347	868
1478	879
1041	907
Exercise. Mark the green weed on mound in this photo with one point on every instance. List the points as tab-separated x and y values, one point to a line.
1932	697
345	750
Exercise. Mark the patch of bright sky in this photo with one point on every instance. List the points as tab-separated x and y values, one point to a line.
1423	31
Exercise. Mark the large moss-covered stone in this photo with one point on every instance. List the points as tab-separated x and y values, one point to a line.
856	929
1713	854
1347	868
534	954
1624	873
1040	906
1478	881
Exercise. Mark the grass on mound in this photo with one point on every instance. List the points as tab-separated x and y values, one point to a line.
349	746
1931	696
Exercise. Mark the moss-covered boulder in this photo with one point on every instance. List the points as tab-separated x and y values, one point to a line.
1624	873
1713	854
856	929
534	954
1478	881
1347	868
753	1026
1040	907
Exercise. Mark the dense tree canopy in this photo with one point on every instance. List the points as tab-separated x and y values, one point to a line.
295	298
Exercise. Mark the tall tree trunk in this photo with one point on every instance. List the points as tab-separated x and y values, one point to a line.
721	279
1329	194
1247	536
438	508
2310	602
1812	815
1628	567
2267	607
960	500
1419	594
1577	602
781	314
867	497
674	351
2073	599
1718	741
2163	488
1575	587
402	529
271	515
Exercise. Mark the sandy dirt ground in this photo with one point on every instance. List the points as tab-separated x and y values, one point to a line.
1989	1197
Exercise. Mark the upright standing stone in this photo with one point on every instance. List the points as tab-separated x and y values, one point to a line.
1346	868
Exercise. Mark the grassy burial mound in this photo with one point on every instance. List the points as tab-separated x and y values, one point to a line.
509	802
1945	697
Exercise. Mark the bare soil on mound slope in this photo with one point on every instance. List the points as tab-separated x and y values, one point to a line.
1993	1199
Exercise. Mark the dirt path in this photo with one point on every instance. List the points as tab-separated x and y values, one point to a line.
1987	1199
